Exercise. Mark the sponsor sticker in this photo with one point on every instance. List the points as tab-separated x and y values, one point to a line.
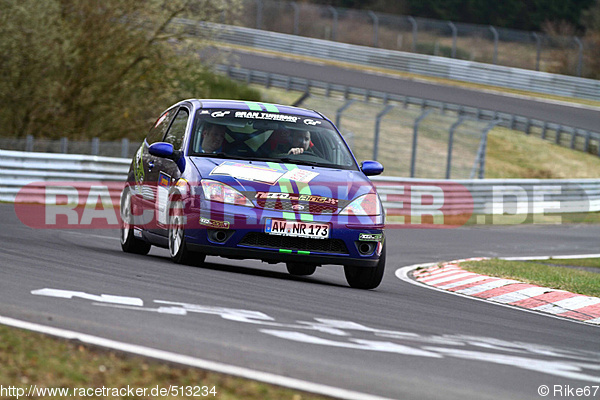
214	223
370	237
295	197
248	172
312	122
300	175
266	116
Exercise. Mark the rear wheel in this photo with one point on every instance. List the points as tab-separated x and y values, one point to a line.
366	277
178	248
301	269
129	243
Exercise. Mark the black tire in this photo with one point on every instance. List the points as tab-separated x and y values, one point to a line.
129	243
366	277
301	269
178	249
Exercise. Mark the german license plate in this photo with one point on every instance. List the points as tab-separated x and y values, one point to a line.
296	228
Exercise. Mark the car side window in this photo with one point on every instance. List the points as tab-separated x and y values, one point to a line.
177	130
157	132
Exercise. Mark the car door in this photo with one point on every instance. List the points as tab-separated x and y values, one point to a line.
165	172
144	163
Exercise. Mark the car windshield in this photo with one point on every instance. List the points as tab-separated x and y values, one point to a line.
269	137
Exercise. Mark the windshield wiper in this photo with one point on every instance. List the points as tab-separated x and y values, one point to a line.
303	162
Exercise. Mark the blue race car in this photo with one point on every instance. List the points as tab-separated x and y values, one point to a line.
247	180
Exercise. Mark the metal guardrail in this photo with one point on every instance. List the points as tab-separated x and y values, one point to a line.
475	42
448	68
567	136
18	169
491	196
400	196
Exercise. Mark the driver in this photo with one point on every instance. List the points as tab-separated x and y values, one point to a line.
300	142
212	138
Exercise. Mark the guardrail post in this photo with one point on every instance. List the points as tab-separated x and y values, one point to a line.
454	36
29	143
573	138
580	56
375	28
451	145
334	24
95	146
413	158
338	113
296	8
538	51
124	148
586	146
544	130
558	134
496	38
528	126
413	22
378	119
64	145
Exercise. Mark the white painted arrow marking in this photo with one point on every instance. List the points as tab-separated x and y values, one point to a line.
103	298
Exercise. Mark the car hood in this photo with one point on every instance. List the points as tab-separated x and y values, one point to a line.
256	178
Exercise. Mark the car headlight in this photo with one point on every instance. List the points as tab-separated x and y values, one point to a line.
368	204
221	193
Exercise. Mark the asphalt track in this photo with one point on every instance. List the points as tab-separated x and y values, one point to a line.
582	117
399	341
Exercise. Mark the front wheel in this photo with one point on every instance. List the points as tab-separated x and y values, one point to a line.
301	269
178	249
366	277
129	243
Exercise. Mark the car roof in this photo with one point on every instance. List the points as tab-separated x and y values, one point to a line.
254	106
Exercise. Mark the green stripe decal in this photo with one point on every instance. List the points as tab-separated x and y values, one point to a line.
289	215
253	106
304	188
306	217
303	253
271	108
275	166
285	251
257	107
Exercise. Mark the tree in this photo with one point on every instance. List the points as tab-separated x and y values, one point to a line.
97	68
591	21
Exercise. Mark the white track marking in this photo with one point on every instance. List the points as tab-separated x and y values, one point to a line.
246	373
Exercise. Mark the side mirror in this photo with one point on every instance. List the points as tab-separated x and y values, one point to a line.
162	149
371	168
165	150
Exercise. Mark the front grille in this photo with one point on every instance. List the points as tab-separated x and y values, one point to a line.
313	208
258	239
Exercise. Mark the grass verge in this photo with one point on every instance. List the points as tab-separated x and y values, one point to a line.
30	358
543	273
